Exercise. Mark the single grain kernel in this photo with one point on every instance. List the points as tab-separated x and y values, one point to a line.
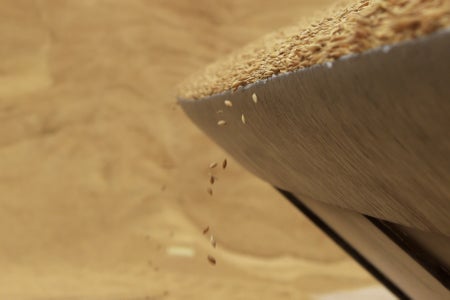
211	259
213	165
243	119
210	191
228	103
224	164
212	179
212	240
255	98
221	123
205	231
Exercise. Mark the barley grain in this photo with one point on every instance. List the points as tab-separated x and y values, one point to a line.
243	119
205	231
224	164
211	259
213	165
255	98
221	123
228	103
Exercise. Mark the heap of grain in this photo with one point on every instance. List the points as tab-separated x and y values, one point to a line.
346	29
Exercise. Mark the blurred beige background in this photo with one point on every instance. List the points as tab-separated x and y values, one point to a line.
103	179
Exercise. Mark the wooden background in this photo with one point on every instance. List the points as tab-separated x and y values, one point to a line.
103	179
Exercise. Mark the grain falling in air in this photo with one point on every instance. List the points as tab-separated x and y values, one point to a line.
243	119
228	103
219	111
211	259
213	165
255	98
205	231
210	191
224	164
212	240
221	123
212	179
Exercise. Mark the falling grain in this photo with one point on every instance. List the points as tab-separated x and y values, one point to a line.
228	103
210	191
212	179
205	231
221	123
211	260
219	111
224	164
212	240
243	119
255	98
213	165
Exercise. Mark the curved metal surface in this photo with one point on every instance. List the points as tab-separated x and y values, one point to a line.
369	133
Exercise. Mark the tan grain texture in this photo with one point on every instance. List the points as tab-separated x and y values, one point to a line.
345	29
102	183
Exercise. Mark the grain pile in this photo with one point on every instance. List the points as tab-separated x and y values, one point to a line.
348	29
